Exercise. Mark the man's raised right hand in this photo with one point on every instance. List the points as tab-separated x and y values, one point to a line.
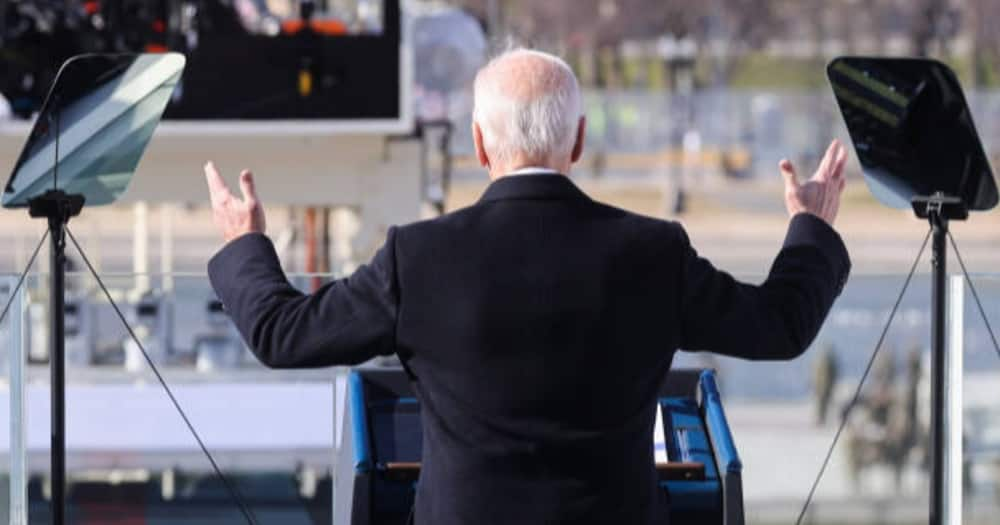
234	216
820	195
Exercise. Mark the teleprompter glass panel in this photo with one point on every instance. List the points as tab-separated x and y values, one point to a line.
912	130
104	109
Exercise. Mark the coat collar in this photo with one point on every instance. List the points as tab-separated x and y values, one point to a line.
541	187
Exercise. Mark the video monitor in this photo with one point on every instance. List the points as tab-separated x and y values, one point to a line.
326	62
912	130
104	109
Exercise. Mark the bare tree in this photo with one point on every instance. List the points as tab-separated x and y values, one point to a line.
925	24
980	17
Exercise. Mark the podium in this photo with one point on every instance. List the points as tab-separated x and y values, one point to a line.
378	463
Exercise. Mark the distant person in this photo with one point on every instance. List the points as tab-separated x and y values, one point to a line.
5	112
915	434
914	373
536	325
881	400
827	371
903	431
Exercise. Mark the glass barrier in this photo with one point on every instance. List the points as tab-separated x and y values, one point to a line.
129	453
981	403
9	463
275	432
784	414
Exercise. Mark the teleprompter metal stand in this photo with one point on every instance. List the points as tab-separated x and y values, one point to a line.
111	105
914	137
939	210
57	207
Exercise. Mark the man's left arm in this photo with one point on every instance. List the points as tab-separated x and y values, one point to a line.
347	321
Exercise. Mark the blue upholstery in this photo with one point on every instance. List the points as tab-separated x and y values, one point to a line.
712	404
687	441
359	420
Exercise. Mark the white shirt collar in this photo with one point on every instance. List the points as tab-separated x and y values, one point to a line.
533	170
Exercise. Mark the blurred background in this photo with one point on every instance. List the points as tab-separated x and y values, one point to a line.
355	115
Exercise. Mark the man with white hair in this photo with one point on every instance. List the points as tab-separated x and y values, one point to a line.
536	325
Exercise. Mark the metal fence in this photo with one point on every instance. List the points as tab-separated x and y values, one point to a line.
768	125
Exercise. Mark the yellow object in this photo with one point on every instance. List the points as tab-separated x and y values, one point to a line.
305	83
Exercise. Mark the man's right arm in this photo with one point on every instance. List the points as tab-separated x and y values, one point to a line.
345	322
781	317
777	319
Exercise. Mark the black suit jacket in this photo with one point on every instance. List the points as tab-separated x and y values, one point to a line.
536	326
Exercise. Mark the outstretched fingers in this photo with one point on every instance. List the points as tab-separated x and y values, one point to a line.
829	159
231	214
837	172
217	188
788	174
247	187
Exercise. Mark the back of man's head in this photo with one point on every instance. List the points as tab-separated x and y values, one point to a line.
527	107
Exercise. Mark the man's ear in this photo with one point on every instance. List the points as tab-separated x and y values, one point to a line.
581	133
477	138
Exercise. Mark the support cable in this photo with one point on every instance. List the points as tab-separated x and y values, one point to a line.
24	275
975	295
857	392
230	487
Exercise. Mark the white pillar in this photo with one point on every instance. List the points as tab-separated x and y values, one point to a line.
344	228
93	246
167	247
140	246
952	512
20	255
18	417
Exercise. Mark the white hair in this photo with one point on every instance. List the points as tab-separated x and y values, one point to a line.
537	119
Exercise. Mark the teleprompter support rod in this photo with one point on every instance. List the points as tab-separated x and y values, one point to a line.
938	209
57	365
57	207
939	423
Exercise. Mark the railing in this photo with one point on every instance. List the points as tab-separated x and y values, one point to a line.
275	432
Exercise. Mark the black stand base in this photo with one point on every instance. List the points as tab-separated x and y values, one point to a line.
57	206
